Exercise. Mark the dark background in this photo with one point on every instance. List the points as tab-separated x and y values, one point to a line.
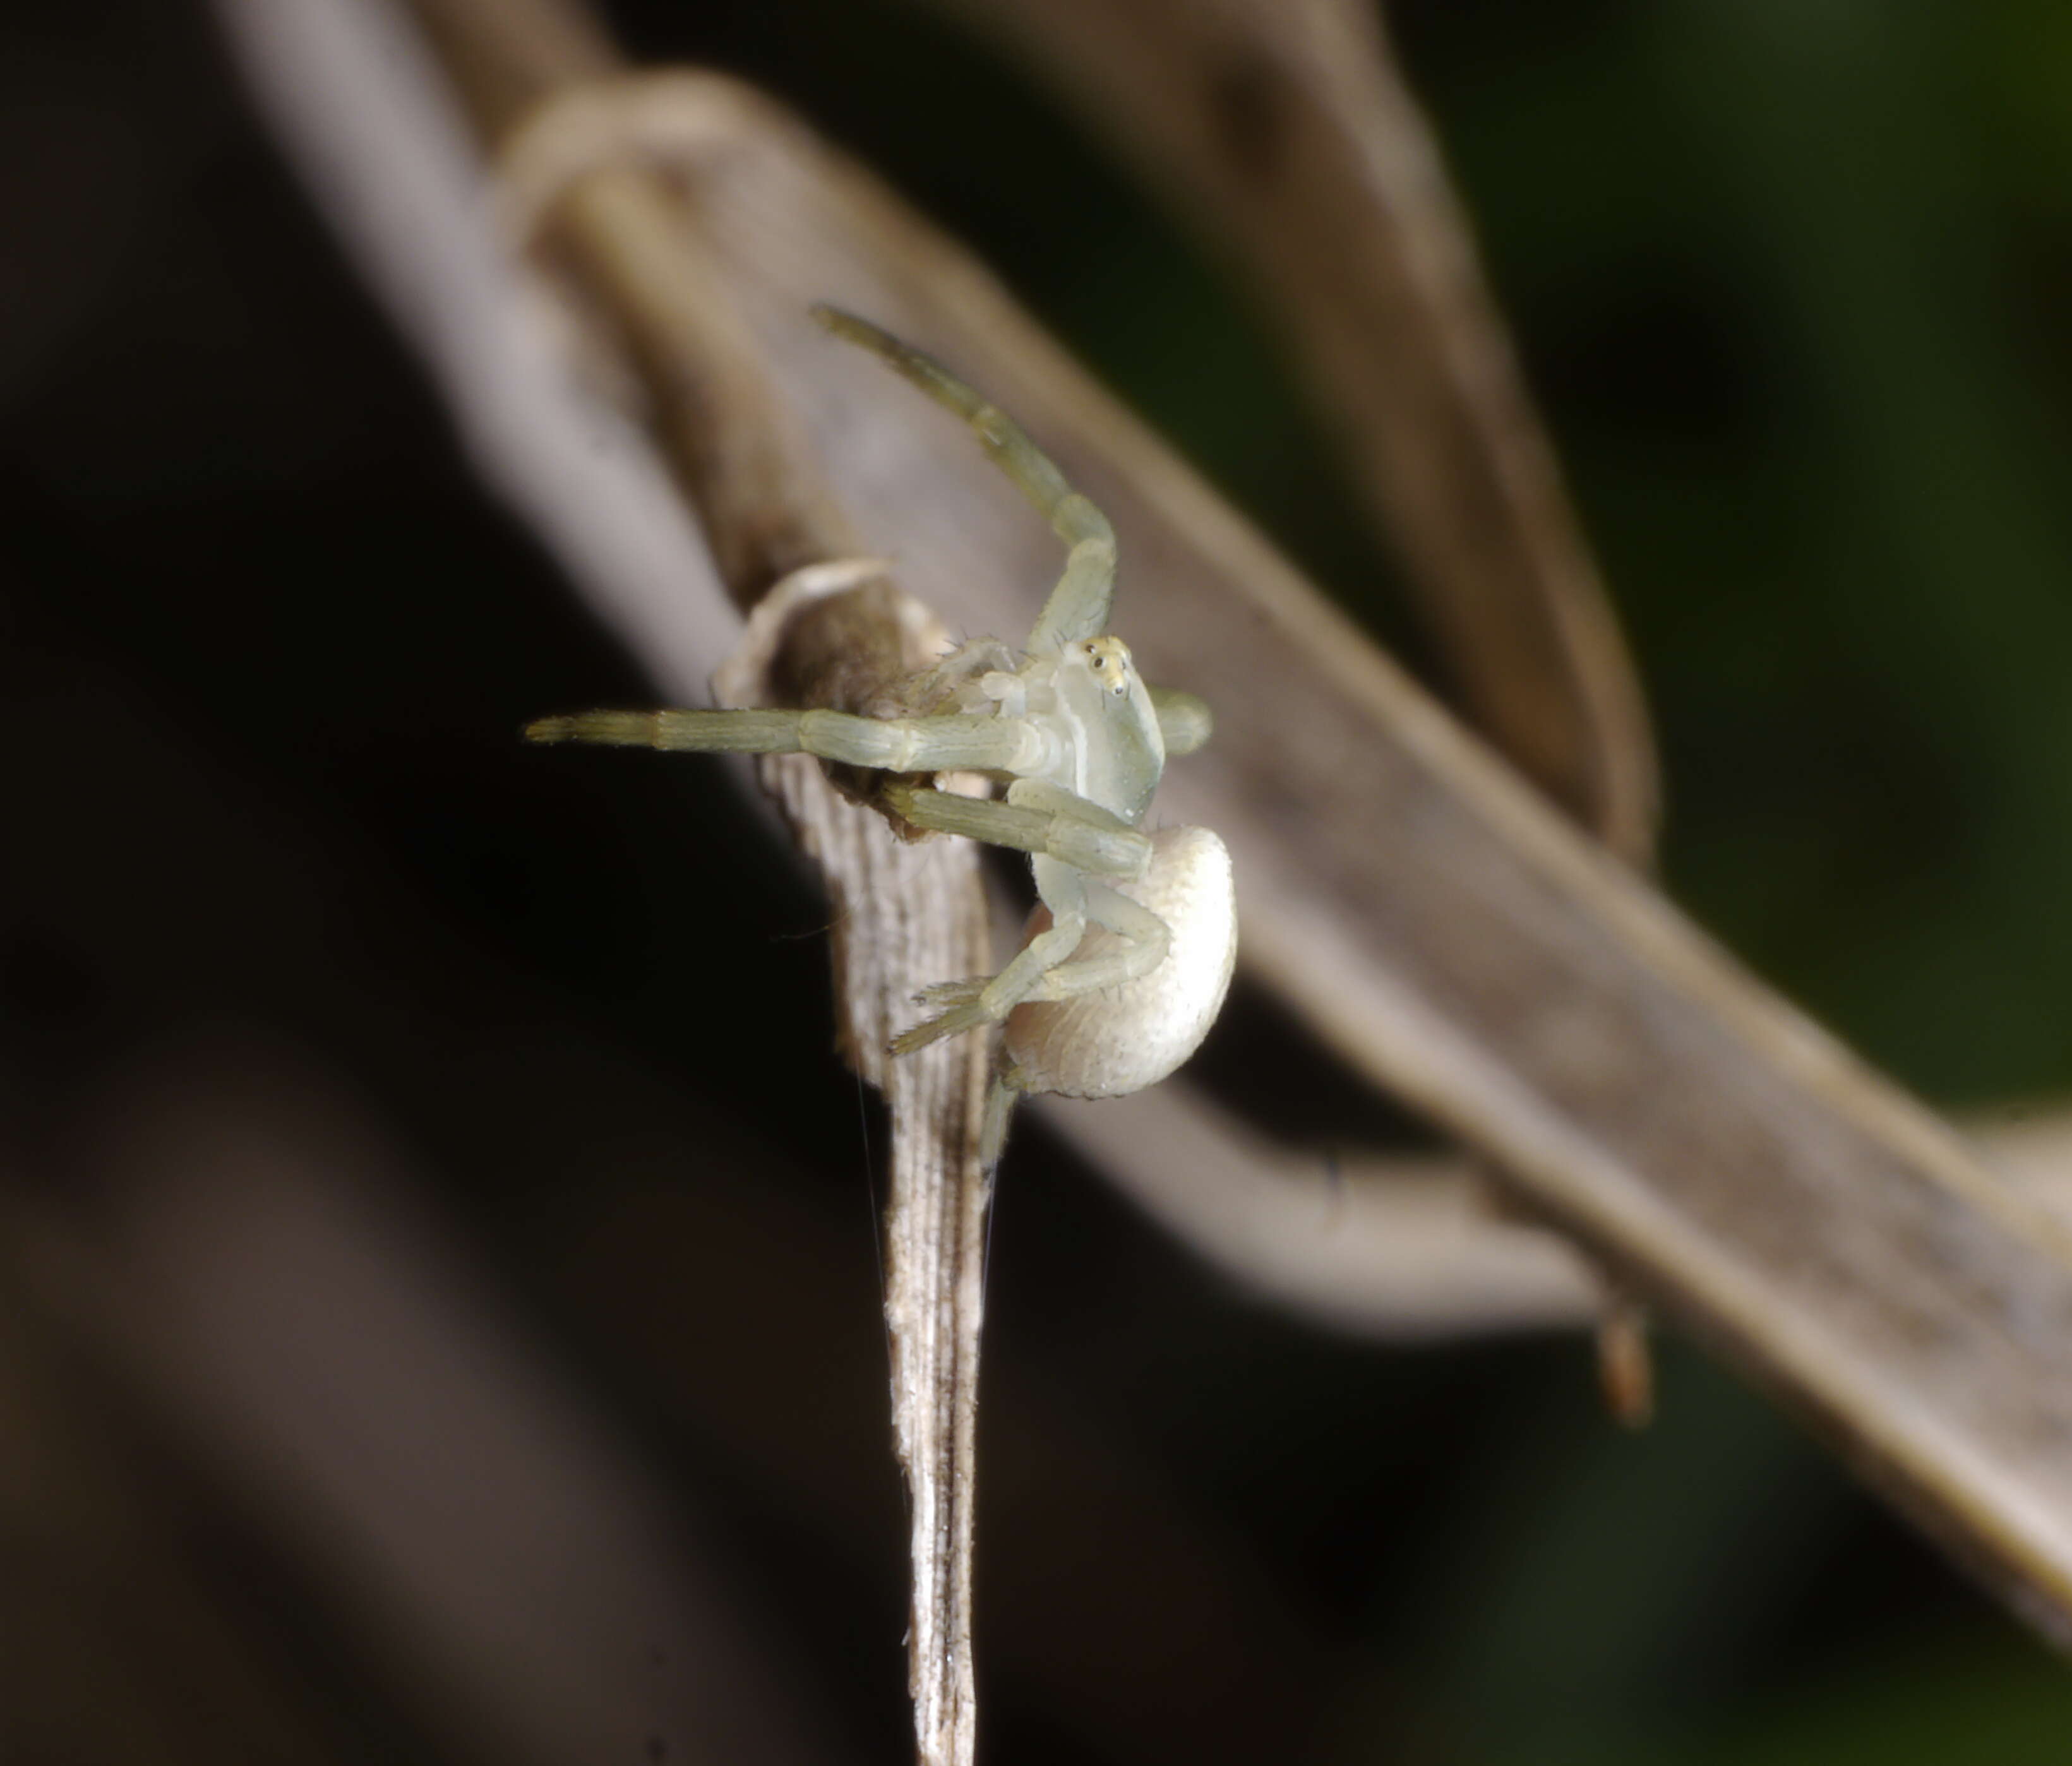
1791	279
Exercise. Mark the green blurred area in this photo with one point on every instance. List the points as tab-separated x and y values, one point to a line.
1791	277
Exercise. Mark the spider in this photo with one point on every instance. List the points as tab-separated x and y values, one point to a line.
1126	960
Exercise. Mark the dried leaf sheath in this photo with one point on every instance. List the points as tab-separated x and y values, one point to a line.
903	915
901	911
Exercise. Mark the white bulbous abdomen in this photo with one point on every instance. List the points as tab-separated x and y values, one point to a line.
1103	1044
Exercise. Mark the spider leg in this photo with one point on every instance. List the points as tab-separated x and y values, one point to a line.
1044	970
1078	606
1095	841
1145	939
899	745
740	731
1063	891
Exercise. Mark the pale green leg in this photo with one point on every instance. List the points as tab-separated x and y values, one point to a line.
905	745
1097	842
987	1001
704	732
1147	939
1078	606
1038	793
1043	969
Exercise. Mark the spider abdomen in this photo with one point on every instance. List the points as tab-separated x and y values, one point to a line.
1103	1044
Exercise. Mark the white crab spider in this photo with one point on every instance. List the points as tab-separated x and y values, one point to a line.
1126	961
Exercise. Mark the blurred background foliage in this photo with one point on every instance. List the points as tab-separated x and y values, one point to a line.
1791	278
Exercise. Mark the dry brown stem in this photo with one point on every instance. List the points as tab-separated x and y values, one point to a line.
904	914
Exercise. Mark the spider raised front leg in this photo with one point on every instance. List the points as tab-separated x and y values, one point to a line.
1126	962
